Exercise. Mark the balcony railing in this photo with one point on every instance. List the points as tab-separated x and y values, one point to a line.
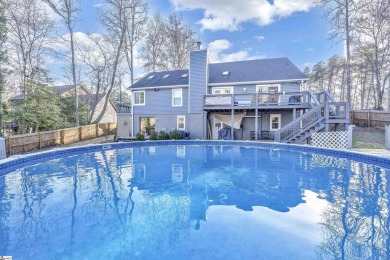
123	107
259	99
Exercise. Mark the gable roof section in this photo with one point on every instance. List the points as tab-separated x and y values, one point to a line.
158	80
254	70
277	69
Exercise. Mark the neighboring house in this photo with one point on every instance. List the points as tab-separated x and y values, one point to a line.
243	100
84	96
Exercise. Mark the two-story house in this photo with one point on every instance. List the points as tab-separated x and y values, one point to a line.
242	100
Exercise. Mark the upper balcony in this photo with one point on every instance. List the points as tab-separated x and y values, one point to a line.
261	100
122	108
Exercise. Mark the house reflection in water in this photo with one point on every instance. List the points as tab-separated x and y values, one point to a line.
151	198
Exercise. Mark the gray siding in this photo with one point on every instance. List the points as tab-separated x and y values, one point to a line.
196	124
263	121
160	103
198	80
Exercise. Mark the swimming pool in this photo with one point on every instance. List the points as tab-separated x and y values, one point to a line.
193	200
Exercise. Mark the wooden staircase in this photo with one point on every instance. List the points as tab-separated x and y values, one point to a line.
324	112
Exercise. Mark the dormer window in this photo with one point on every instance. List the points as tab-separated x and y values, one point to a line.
184	75
225	73
151	76
166	76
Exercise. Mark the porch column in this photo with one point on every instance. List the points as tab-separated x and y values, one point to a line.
294	114
256	123
232	125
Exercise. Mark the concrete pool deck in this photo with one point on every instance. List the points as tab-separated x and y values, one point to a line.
379	152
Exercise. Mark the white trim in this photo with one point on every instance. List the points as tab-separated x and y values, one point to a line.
279	121
181	97
257	82
139	91
161	87
216	88
177	122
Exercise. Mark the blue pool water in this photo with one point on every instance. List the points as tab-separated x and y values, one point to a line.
196	202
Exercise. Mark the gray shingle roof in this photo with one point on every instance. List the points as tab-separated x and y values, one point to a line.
239	71
254	70
158	80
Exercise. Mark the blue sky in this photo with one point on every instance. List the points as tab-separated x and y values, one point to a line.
243	29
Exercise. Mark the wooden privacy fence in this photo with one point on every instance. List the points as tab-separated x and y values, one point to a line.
28	142
370	118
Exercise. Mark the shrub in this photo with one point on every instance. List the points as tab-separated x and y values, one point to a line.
174	134
162	135
153	135
140	137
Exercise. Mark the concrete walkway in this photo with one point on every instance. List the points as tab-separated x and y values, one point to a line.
379	152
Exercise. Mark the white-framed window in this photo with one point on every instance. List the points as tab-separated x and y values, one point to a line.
181	123
177	97
222	90
270	88
139	98
275	121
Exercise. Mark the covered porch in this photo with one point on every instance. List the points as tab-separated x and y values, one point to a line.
248	124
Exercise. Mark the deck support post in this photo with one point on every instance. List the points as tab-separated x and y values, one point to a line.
256	123
294	113
232	125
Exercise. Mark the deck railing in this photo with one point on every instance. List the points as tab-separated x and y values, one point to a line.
302	123
123	107
259	99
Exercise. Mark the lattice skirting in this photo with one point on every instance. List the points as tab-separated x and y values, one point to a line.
330	139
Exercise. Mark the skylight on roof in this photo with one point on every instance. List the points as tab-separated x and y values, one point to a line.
151	76
225	73
184	75
166	76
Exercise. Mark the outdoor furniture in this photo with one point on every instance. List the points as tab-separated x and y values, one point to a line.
252	135
224	134
294	100
265	135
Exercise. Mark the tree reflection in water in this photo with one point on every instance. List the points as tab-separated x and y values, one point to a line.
147	201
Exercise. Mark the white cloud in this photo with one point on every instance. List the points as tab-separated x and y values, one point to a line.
229	14
217	47
98	5
259	38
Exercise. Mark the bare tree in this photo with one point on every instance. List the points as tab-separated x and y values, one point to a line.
373	42
29	27
68	10
180	41
153	47
136	14
339	14
114	19
98	56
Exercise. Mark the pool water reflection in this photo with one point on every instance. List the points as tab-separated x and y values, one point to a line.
186	201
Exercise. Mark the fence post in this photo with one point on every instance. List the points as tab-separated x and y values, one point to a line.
350	135
9	146
40	141
387	137
62	137
81	133
368	118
